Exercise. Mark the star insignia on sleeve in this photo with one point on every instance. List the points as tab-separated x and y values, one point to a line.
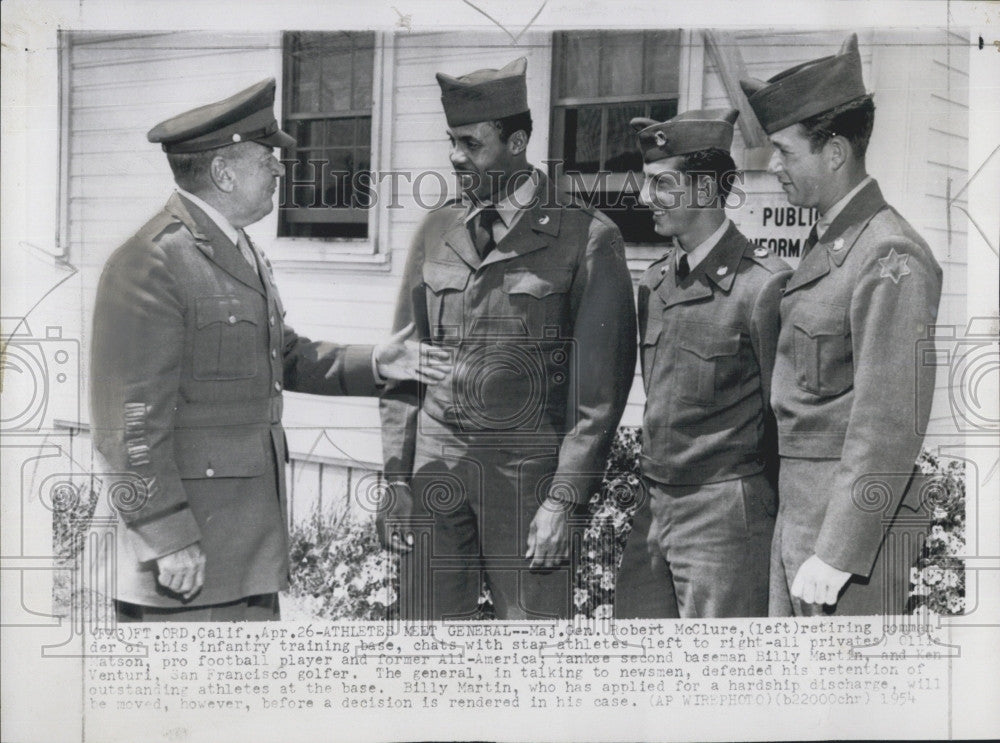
894	266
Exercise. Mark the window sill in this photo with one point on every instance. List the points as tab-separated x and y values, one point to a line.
307	254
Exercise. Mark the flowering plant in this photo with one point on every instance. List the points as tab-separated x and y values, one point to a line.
938	577
339	570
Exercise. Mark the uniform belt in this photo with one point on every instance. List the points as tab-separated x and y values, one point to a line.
234	413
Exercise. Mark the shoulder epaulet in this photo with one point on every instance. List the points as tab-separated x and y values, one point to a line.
591	211
653	270
765	258
160	226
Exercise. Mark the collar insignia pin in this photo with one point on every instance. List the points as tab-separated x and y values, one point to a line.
544	219
761	252
838	244
722	270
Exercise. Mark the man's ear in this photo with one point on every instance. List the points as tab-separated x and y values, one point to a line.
517	142
838	151
222	175
705	189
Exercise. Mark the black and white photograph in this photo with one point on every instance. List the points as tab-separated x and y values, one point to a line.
500	371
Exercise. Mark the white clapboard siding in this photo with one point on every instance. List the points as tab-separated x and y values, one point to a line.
120	85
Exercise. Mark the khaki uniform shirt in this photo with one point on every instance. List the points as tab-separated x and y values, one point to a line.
707	348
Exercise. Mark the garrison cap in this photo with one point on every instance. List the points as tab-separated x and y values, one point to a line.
807	89
485	95
685	133
247	116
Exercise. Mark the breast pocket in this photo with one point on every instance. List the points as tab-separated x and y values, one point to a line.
224	339
538	296
445	283
708	364
824	360
648	341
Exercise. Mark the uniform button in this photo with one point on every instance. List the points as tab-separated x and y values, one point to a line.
209	472
271	319
274	353
232	319
277	386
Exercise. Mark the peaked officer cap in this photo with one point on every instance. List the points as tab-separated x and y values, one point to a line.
807	89
485	95
685	133
247	116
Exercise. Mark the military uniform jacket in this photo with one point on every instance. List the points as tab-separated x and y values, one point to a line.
190	356
848	383
542	330
707	352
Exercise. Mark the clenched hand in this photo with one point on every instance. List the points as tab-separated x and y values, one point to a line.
183	571
818	583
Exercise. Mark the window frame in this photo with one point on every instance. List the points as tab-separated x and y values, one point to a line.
612	181
315	253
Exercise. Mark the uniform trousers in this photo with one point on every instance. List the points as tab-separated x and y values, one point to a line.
698	551
474	497
260	608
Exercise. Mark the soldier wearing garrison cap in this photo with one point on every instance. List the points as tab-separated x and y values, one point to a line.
534	299
708	325
848	396
190	358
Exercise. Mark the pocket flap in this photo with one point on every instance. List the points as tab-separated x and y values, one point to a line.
820	319
538	282
213	454
442	276
228	310
651	333
711	345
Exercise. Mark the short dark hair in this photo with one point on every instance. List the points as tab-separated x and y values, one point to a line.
852	120
716	163
191	169
510	124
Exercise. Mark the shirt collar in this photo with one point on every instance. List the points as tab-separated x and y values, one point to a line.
697	255
825	220
510	206
214	214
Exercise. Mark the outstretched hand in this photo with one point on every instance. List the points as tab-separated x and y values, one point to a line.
401	359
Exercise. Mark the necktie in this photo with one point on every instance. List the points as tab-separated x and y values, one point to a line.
243	243
482	230
683	267
810	241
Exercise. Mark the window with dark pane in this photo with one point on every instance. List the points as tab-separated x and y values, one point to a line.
328	81
602	80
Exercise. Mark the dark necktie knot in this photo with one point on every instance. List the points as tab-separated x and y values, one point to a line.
683	267
482	230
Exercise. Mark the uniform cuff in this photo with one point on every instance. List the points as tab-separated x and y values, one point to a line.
379	379
163	536
359	376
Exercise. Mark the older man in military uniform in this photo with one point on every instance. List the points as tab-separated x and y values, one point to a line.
534	299
848	396
708	325
190	358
